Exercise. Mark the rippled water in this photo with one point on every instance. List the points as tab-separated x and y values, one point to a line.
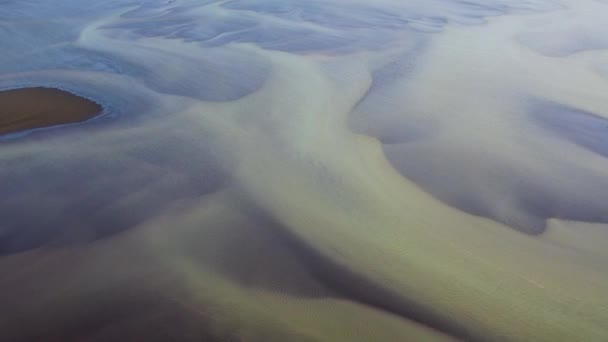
320	170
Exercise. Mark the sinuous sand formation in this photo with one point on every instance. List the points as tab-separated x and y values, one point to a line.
28	108
324	170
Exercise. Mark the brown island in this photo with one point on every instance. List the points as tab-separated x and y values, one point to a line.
28	108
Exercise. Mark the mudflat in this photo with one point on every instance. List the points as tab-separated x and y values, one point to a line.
28	108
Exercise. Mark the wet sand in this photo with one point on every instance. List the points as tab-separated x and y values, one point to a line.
29	108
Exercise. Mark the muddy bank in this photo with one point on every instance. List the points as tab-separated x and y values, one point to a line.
29	108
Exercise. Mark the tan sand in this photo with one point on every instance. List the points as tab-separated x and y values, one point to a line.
28	108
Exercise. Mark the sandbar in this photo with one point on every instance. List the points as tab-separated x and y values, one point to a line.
29	108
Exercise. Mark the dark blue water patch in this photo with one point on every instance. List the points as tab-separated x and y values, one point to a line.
294	40
187	27
118	183
377	16
264	36
78	10
33	38
245	27
65	57
164	27
325	13
178	22
486	184
159	8
214	28
216	75
297	27
583	128
474	9
355	17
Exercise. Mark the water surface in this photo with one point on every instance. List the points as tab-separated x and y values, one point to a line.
324	170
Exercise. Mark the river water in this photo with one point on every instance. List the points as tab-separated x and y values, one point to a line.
322	170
